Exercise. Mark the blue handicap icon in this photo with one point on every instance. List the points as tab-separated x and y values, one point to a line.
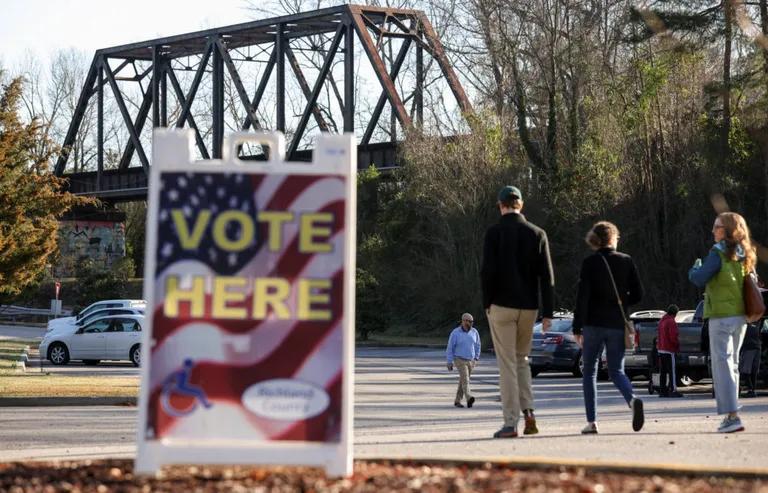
178	384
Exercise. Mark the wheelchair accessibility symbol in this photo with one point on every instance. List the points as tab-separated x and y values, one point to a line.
177	384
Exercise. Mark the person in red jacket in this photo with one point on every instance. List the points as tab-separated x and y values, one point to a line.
668	344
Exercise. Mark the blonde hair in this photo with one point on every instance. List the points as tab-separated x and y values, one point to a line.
602	234
737	233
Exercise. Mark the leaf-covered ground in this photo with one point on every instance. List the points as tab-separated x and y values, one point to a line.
117	476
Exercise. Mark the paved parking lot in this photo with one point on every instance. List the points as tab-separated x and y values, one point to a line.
404	409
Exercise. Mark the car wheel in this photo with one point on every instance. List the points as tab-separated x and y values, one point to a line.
91	362
578	367
58	354
135	355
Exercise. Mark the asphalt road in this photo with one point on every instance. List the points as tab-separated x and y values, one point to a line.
404	409
21	332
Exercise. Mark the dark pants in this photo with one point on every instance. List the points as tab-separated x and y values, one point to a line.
667	374
749	367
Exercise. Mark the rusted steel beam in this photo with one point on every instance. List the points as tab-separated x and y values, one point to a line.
438	53
316	91
379	67
305	87
383	97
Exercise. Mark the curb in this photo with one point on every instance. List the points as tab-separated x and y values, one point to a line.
533	463
66	401
375	344
21	364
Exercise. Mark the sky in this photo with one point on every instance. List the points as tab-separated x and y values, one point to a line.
44	26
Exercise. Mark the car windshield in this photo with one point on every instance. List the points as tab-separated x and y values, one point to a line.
558	325
94	308
108	311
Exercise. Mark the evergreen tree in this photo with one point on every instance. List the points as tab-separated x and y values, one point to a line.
31	198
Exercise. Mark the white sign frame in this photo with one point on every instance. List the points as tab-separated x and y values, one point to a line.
172	151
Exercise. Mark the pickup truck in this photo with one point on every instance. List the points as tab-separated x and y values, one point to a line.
692	362
636	361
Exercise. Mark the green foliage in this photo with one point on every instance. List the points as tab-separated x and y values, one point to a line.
95	282
419	253
30	198
135	230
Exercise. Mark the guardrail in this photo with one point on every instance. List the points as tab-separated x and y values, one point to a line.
13	312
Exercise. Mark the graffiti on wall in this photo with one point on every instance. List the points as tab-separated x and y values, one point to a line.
100	241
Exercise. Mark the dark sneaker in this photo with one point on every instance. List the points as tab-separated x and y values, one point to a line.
750	394
470	402
530	425
638	418
458	404
730	425
506	432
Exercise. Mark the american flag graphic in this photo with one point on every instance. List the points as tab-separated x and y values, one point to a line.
231	356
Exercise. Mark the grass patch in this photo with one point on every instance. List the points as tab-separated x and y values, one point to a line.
42	385
10	353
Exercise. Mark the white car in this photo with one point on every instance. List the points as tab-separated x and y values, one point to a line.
107	338
64	321
104	312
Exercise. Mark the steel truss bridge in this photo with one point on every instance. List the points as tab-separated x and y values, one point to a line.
217	58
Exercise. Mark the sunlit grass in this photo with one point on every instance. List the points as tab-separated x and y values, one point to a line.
47	385
15	383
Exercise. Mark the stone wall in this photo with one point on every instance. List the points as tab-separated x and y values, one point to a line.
81	240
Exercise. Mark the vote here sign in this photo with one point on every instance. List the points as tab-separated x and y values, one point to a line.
249	284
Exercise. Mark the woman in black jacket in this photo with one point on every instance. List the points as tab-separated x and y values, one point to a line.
598	318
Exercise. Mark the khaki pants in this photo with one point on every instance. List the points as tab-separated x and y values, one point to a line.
512	331
464	367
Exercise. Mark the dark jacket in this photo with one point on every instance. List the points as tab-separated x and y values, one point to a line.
596	303
516	265
668	335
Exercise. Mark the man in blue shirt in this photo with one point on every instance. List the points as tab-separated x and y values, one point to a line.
463	351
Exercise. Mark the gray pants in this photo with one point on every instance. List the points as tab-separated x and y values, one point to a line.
725	337
464	367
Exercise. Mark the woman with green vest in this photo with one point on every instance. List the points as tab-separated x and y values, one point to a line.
722	277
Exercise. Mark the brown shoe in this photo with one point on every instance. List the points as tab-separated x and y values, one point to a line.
530	425
506	432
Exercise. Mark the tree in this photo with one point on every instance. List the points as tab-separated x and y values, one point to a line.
30	197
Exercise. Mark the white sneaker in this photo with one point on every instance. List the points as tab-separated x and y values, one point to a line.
590	429
730	425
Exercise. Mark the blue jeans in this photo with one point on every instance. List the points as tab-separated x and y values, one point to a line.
594	340
725	337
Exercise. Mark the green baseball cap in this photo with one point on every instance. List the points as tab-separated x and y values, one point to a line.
508	193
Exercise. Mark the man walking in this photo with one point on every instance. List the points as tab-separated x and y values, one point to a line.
516	267
463	351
